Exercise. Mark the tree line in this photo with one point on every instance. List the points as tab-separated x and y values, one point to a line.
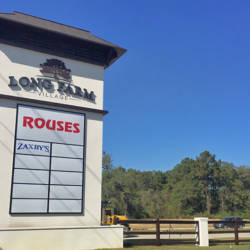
202	186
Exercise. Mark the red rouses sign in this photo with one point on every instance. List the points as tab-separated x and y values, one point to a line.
50	125
40	123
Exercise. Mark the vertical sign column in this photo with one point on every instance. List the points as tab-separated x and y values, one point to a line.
48	169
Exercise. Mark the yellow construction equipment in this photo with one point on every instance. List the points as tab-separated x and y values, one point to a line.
109	218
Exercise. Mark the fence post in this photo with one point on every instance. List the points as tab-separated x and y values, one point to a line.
197	234
158	233
203	231
236	232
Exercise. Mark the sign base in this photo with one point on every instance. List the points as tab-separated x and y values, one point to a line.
70	238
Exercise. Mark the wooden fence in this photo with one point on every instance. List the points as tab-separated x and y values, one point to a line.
235	231
157	232
158	241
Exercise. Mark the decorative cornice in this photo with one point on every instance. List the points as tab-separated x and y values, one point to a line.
45	36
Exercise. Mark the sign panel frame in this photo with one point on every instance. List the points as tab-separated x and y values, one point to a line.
68	210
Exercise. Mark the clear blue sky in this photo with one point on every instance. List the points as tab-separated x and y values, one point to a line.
183	86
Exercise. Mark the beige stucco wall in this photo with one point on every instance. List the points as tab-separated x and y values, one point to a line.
93	163
20	62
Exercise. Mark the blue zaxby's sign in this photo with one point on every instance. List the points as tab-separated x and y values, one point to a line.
32	147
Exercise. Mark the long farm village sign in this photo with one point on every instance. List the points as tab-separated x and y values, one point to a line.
55	82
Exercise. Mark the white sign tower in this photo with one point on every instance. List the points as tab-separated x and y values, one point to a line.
51	115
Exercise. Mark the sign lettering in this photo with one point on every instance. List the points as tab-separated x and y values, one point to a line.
49	124
63	88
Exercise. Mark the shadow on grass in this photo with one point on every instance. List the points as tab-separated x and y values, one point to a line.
152	242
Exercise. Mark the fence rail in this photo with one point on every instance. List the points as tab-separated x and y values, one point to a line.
162	221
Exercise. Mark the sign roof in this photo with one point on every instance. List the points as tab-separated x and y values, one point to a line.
62	29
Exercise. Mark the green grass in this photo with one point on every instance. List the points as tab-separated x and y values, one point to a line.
191	247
